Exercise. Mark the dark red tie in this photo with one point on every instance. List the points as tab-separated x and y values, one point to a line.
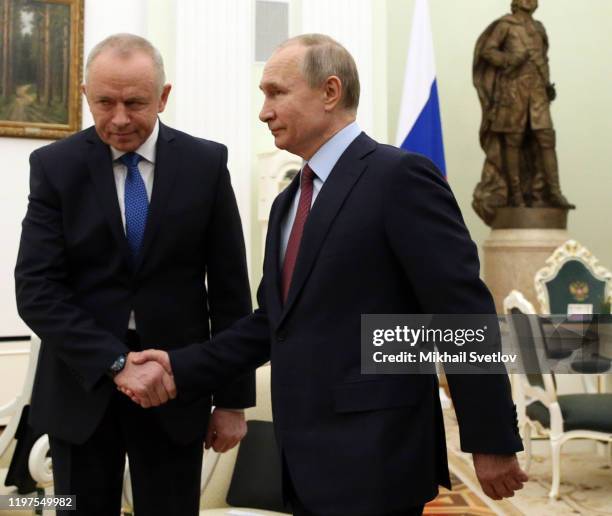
295	237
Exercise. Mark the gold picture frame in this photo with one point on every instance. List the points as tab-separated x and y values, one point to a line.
41	67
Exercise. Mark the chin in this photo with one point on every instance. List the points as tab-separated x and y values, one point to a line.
125	145
279	143
283	143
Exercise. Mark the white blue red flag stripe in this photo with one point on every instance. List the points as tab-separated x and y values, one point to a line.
419	128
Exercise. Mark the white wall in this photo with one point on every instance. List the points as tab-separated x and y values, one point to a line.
214	58
14	189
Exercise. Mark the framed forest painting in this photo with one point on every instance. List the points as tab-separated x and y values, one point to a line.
41	65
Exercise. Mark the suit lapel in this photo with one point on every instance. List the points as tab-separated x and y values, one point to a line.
274	228
328	203
100	165
166	169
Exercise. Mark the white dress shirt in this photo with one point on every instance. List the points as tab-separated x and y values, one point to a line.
146	166
321	164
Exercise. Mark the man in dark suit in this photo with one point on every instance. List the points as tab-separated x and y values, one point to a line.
364	228
125	224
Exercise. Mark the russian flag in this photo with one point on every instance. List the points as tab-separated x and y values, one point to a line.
419	128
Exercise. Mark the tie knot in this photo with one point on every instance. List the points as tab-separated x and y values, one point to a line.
307	174
130	159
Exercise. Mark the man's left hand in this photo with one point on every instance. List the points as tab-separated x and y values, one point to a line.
499	475
225	430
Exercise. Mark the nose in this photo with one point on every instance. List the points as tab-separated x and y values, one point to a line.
266	114
120	116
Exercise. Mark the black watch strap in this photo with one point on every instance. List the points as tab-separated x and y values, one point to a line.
118	365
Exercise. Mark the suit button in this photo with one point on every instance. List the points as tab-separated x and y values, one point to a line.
281	335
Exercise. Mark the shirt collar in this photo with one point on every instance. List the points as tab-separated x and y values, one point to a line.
146	150
329	153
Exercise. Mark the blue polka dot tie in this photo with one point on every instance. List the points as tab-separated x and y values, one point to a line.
136	203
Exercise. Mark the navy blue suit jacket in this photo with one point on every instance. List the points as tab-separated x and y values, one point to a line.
76	282
385	235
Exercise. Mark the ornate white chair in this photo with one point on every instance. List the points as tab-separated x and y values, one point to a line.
539	408
14	408
573	281
39	464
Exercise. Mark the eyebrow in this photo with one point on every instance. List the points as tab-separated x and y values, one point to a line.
129	99
271	85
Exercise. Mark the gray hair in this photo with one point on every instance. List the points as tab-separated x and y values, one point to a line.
326	57
126	44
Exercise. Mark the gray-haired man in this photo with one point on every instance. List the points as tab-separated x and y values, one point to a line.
125	223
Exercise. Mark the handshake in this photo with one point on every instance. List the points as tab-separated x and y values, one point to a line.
147	378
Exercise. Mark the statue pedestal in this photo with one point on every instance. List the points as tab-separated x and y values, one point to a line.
530	218
513	256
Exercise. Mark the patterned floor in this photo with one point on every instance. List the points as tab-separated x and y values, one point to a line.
586	482
461	500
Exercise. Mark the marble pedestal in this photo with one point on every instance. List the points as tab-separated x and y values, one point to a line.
513	256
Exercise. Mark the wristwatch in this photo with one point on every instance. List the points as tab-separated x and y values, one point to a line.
117	365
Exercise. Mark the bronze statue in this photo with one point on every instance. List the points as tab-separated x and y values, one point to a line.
512	77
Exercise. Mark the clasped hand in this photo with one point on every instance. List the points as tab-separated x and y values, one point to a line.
147	378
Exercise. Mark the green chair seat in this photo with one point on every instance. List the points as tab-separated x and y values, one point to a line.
580	412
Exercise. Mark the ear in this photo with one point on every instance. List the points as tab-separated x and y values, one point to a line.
84	91
164	97
332	91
